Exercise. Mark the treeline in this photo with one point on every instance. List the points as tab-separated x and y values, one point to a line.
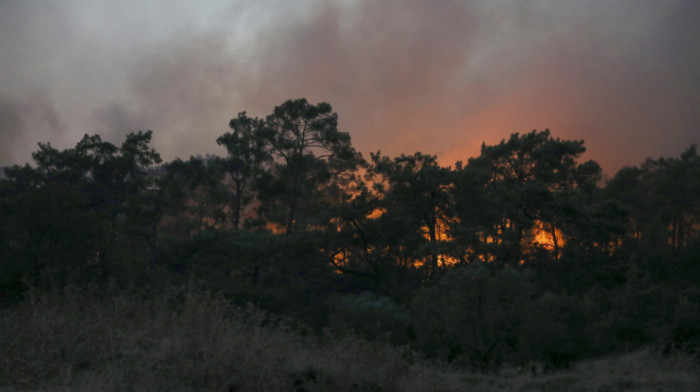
516	256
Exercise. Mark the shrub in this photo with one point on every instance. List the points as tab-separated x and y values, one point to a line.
472	315
370	316
684	335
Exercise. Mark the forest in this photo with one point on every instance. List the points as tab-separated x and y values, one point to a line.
521	255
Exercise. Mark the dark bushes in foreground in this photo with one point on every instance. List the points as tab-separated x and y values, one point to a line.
486	316
182	340
187	339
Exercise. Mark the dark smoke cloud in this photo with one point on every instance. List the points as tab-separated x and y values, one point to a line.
184	91
439	77
25	123
444	76
390	68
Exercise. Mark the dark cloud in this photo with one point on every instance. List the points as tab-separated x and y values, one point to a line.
115	120
443	77
11	127
440	77
387	67
610	79
184	91
25	123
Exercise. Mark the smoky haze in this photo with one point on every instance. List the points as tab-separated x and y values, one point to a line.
439	77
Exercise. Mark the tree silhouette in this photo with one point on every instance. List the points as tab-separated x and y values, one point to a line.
68	210
414	198
535	177
248	158
311	161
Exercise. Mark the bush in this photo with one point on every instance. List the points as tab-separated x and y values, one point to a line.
370	316
181	339
547	332
473	315
684	335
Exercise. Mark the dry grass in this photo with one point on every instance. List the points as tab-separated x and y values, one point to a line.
189	340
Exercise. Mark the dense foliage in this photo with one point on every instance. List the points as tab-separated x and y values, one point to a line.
520	255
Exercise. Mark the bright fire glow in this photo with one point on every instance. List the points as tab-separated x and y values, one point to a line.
545	238
376	213
441	234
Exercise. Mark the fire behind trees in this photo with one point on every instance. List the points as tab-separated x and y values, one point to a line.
520	254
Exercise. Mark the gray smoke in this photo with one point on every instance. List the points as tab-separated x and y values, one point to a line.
404	75
25	123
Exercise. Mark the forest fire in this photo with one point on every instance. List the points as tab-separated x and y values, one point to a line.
548	237
225	228
431	248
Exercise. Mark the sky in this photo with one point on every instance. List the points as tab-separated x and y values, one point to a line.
436	76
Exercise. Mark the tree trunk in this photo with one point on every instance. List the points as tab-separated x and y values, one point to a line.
433	245
237	210
291	215
554	240
154	245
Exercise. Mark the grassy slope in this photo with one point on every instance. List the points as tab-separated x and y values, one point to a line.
192	341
